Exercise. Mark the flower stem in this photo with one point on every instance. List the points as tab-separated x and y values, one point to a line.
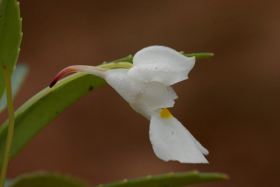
126	65
11	125
97	71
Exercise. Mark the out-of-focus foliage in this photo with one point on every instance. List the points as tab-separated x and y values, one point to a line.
170	180
18	77
10	37
47	179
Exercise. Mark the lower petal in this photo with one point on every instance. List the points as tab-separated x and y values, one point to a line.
172	141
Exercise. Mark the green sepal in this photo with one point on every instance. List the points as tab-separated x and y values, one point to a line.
199	56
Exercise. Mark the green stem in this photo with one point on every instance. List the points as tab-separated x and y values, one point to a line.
11	125
126	65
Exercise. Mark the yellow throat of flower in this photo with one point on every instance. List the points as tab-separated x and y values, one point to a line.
165	113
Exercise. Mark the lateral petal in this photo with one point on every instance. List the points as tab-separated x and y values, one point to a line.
172	141
144	97
161	64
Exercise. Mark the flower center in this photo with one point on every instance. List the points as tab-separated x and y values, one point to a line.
165	113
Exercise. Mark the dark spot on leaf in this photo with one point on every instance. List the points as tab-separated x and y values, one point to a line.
90	88
57	112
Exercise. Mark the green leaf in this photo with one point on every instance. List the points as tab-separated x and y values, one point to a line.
36	113
18	78
170	180
10	37
42	108
47	179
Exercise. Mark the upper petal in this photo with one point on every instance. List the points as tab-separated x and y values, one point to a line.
172	141
161	64
144	97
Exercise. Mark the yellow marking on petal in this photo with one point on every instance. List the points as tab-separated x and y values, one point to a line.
165	113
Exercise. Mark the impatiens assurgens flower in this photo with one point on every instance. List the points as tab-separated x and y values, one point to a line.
146	86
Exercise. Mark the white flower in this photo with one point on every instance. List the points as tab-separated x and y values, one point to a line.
146	87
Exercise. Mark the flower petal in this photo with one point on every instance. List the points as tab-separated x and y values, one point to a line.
161	64
172	91
144	97
172	141
199	146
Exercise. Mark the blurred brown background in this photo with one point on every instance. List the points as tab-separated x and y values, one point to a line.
230	103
